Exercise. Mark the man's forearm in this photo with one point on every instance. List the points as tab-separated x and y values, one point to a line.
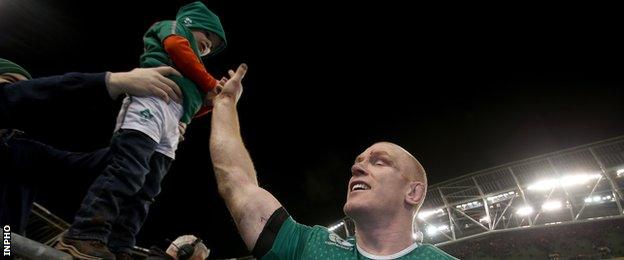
249	205
231	161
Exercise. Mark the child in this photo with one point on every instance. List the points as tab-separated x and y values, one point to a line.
146	137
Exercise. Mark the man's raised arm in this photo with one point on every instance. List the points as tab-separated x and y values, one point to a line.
250	205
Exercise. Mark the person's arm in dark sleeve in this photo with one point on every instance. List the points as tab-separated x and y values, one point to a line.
22	103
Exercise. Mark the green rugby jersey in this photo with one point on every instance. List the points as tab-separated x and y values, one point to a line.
297	241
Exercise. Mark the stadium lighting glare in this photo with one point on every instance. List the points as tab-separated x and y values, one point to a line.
524	211
543	185
470	205
551	205
501	197
620	172
577	179
565	181
334	227
428	213
433	230
484	219
598	199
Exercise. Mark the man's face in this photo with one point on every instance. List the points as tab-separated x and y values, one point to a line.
11	77
380	180
206	41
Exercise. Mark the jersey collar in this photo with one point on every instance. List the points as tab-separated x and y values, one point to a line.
396	255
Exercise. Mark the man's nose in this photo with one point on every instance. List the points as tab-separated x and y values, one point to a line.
358	169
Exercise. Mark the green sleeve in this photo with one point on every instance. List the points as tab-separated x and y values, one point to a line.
290	241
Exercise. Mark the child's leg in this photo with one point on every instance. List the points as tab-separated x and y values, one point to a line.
123	177
139	131
134	212
140	127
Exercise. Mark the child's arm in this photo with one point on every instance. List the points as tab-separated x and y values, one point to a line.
182	55
207	107
186	61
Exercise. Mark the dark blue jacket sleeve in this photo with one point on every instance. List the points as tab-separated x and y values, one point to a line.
25	103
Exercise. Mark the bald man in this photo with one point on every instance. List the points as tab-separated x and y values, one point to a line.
387	187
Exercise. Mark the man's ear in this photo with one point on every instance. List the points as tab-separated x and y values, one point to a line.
416	193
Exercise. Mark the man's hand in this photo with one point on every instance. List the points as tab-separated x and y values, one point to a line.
209	100
182	129
233	88
145	82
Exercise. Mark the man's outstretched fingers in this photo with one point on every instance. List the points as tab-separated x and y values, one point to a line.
222	82
241	71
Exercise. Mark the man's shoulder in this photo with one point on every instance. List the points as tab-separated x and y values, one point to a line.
320	236
311	233
322	239
304	242
328	245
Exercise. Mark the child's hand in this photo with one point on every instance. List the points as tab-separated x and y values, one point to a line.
182	129
210	96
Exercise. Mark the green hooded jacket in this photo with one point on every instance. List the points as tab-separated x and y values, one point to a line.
194	16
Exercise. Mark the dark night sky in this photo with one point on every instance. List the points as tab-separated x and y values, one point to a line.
461	90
